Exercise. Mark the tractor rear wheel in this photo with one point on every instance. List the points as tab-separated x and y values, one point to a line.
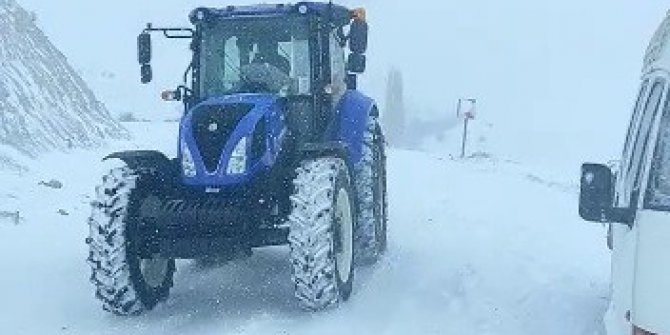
321	234
371	240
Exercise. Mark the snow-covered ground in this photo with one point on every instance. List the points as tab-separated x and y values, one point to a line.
483	246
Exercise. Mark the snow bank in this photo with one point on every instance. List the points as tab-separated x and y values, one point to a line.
477	247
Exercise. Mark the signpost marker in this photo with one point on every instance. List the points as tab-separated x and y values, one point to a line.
467	116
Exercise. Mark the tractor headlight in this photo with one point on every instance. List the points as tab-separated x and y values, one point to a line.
237	164
187	163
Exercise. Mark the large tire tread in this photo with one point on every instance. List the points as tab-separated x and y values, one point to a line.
110	257
311	238
107	244
369	247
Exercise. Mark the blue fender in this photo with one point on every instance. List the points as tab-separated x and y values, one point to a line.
351	119
146	161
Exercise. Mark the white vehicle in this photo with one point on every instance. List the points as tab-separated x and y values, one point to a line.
635	202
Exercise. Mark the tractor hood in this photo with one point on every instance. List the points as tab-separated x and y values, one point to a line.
234	130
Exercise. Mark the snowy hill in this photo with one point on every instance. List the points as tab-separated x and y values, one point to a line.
44	104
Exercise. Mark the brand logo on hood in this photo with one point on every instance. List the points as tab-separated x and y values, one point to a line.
213	127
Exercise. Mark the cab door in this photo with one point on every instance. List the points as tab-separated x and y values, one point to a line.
651	285
624	237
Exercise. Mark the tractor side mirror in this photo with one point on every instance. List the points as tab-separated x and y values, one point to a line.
144	57
358	37
146	73
356	63
144	48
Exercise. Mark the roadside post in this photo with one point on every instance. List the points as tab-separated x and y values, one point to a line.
468	115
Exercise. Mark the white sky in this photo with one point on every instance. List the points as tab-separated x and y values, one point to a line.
541	66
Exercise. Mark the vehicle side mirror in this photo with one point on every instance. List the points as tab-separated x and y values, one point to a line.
356	63
146	73
596	196
358	37
144	48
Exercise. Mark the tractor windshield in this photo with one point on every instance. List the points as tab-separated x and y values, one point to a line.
255	55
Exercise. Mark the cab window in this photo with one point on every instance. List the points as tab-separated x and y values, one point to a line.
255	56
337	68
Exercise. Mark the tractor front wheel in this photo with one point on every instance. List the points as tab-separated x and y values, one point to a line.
321	235
125	283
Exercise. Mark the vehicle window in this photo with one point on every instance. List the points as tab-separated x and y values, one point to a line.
635	117
337	66
232	62
639	144
658	190
255	56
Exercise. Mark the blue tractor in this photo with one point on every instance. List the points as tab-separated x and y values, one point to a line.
276	147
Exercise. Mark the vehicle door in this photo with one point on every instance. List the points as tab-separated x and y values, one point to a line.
651	285
624	240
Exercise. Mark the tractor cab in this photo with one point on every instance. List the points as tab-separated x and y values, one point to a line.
263	81
268	55
284	50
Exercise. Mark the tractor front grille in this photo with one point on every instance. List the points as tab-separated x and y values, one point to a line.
212	127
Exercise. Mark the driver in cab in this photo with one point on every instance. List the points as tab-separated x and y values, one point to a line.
268	71
268	53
